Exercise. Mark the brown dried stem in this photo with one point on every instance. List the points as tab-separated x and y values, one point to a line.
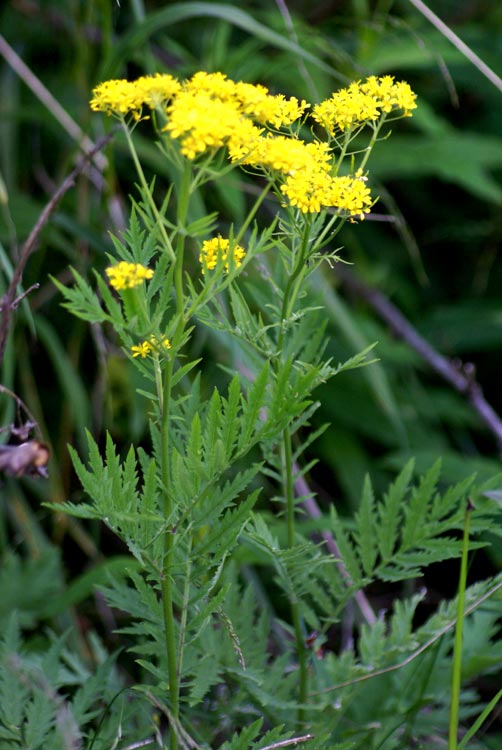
459	375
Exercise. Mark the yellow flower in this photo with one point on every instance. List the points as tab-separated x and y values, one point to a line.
141	350
389	95
127	275
283	153
147	347
315	190
215	85
212	111
120	97
308	190
156	90
352	195
364	102
243	141
201	122
217	249
116	97
256	102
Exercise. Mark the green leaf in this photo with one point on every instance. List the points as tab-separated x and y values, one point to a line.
178	12
391	510
365	528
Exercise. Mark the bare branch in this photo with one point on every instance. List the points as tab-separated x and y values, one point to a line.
53	106
9	301
393	667
288	743
309	504
458	375
458	43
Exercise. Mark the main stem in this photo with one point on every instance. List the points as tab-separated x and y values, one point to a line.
290	294
301	651
167	582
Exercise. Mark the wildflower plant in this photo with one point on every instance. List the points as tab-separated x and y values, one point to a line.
189	509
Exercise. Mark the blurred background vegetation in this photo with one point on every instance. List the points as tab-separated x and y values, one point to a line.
432	248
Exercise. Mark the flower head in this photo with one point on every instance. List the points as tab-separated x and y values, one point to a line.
120	97
157	90
127	275
201	122
147	347
217	249
116	97
317	190
364	102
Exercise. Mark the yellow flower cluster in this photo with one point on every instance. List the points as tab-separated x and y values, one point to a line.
147	347
127	275
307	181
364	102
315	190
217	249
205	112
203	123
120	97
210	111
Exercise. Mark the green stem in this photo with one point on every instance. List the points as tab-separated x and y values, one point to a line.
372	142
173	659
167	583
253	211
456	676
148	193
290	294
293	286
301	651
182	212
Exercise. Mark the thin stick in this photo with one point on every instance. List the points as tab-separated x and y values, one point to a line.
458	43
287	743
9	301
309	504
413	656
52	104
460	376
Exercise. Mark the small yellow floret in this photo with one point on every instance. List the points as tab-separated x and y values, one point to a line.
116	97
127	275
157	90
217	249
147	347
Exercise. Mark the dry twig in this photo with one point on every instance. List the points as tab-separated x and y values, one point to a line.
10	301
458	375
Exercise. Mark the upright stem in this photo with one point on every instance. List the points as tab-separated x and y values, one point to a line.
292	286
290	294
167	584
288	481
147	192
252	213
456	676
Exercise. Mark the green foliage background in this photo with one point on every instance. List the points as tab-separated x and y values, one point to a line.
434	253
